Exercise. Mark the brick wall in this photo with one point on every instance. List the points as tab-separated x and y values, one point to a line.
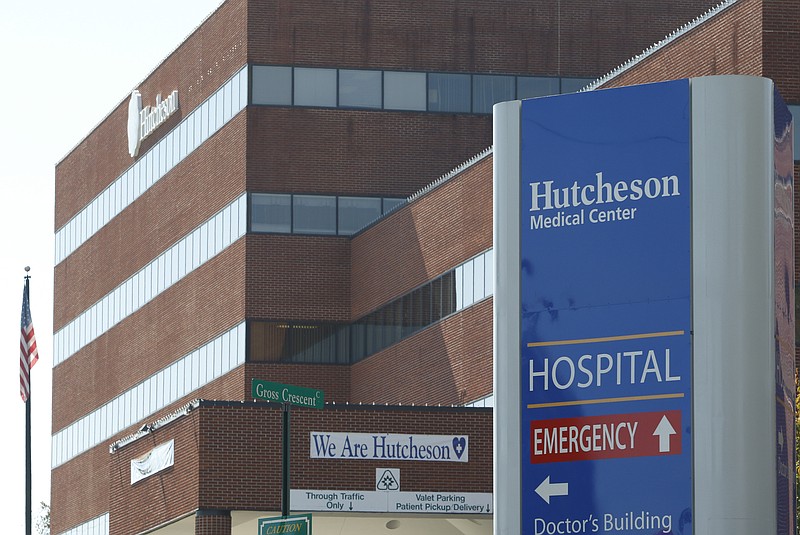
293	277
419	242
161	497
449	363
80	488
228	456
205	182
781	46
199	66
170	326
547	37
729	43
375	153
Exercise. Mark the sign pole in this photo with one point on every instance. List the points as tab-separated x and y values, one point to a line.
287	395
285	486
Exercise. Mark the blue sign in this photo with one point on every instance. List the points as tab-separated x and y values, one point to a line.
605	282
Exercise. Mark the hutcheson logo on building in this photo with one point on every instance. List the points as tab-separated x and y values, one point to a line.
383	446
594	201
143	121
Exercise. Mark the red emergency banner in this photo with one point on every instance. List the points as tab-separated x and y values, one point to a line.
610	436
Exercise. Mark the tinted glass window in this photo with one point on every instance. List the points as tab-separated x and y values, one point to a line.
449	92
356	212
271	213
315	87
389	204
404	91
571	85
272	85
314	214
535	86
489	90
360	89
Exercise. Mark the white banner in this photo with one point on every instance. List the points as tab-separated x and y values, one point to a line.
394	447
157	459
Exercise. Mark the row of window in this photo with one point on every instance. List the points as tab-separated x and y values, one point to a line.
187	374
280	342
95	526
487	402
302	86
457	289
283	213
195	128
395	90
316	214
189	253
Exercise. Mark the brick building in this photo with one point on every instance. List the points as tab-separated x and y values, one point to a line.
316	211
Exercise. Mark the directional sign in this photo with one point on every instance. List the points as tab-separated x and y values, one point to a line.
293	395
343	501
605	312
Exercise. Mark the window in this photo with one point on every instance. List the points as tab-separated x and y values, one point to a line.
272	85
360	89
293	342
404	91
337	343
227	100
271	213
489	90
315	87
573	85
314	214
390	204
449	92
356	212
536	86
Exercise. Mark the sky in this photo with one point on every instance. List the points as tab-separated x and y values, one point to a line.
65	66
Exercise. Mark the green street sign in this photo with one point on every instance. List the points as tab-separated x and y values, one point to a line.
293	395
279	525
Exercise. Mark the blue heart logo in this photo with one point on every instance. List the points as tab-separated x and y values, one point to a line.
459	446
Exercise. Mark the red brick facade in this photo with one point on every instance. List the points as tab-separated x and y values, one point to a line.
228	457
222	460
416	243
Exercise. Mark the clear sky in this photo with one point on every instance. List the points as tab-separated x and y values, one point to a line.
65	66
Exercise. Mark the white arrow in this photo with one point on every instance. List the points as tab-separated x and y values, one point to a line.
663	431
547	489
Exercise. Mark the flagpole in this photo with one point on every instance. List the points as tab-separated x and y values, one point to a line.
28	503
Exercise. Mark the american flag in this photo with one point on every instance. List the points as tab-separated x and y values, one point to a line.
28	354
